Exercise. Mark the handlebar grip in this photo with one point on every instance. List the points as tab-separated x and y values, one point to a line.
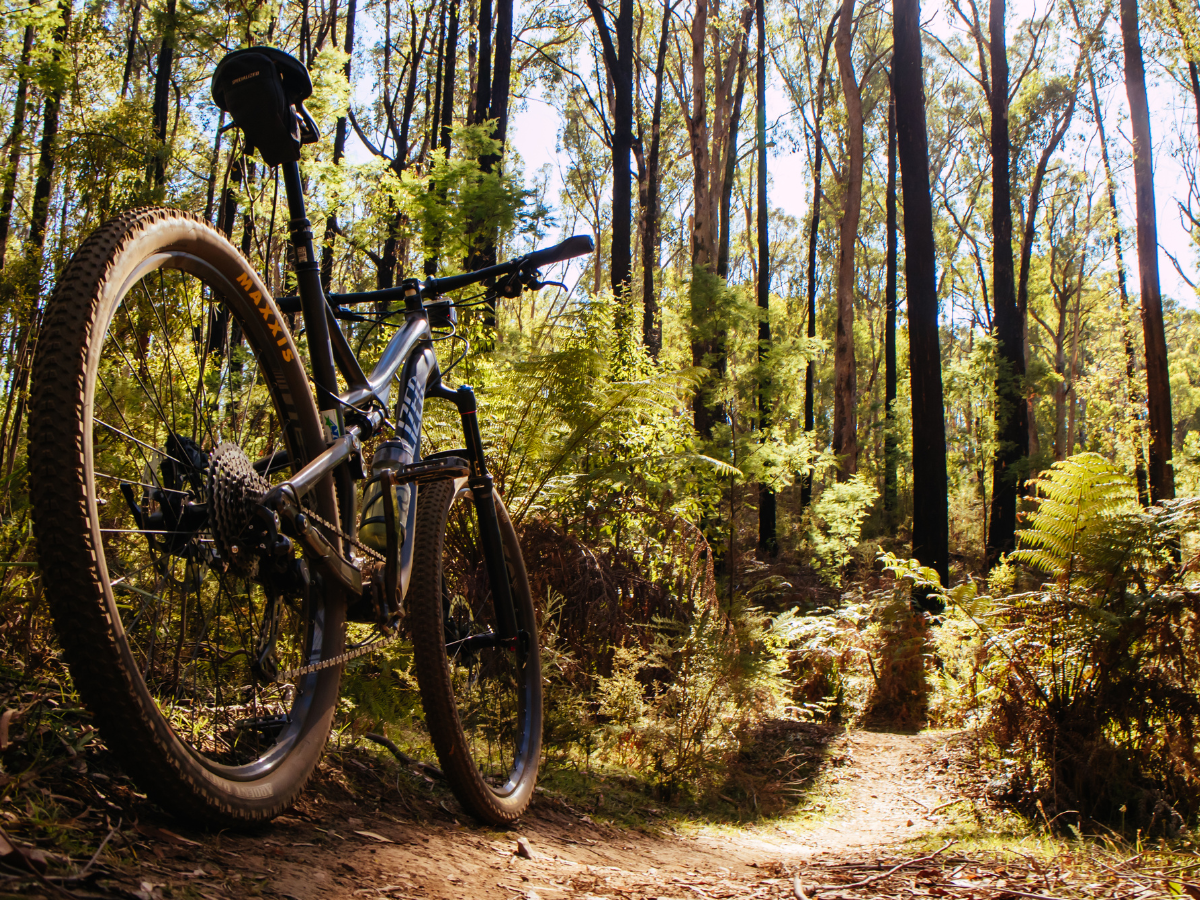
579	245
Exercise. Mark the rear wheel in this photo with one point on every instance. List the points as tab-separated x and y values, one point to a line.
482	696
163	372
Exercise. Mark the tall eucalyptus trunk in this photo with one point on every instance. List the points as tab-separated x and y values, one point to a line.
651	234
931	530
891	443
1012	423
339	152
767	541
15	143
618	61
162	95
814	227
845	376
131	47
1158	382
1133	387
712	138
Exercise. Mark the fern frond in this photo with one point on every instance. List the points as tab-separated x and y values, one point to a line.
1080	497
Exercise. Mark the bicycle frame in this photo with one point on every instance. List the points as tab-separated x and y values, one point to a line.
410	354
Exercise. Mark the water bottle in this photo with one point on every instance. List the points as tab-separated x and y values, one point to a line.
373	529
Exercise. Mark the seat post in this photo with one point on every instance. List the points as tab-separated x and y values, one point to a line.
312	294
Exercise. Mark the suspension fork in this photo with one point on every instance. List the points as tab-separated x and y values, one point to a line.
481	484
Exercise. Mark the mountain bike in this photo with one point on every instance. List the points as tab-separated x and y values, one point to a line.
196	477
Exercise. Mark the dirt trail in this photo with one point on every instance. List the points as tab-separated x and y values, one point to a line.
884	790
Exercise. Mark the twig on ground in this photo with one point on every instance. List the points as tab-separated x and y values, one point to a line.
916	801
100	849
798	889
894	869
1010	891
402	756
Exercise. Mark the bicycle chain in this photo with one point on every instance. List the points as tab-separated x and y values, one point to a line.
357	652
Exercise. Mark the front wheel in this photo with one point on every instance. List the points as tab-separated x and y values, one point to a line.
482	695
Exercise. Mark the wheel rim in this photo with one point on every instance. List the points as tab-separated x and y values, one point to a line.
174	377
492	684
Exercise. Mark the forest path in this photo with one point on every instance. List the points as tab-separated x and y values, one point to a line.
879	791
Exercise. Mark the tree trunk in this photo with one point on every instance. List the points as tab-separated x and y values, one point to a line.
618	60
891	445
339	151
1158	383
726	190
845	388
15	144
131	47
767	541
211	193
483	85
711	143
36	242
48	154
651	322
499	85
1133	388
448	77
1011	410
162	96
813	232
930	506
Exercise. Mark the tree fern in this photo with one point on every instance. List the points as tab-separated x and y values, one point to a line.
1083	498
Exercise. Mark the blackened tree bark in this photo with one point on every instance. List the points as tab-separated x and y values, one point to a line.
813	233
483	81
618	61
495	88
501	72
1158	383
767	541
845	387
15	143
131	47
448	77
48	152
339	151
162	94
651	321
891	445
1012	423
227	211
54	80
213	166
930	506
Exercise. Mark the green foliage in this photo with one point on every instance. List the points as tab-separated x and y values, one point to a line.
835	524
1085	511
678	707
1089	683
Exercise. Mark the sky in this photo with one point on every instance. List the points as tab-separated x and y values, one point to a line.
535	126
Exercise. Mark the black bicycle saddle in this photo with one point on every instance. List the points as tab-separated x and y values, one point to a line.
264	90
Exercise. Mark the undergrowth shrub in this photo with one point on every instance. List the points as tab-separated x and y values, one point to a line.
1090	683
677	709
835	525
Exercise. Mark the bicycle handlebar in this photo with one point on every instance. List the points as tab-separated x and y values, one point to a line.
578	245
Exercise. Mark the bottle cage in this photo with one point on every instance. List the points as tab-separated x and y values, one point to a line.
263	89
